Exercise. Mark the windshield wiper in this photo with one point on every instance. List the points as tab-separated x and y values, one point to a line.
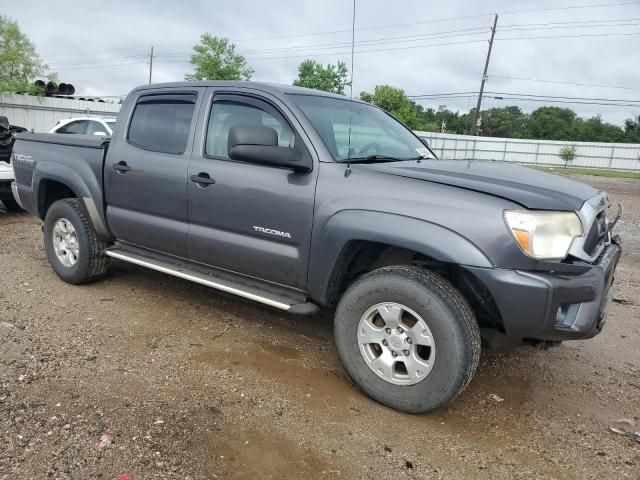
378	159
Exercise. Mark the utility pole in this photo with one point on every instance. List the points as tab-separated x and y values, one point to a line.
476	115
150	64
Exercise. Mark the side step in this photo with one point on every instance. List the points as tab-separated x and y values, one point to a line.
209	280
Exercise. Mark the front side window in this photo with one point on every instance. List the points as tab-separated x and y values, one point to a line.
77	127
373	132
230	111
161	123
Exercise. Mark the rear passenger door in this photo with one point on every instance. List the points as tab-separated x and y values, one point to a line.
146	170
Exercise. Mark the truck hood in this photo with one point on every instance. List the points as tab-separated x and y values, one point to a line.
530	188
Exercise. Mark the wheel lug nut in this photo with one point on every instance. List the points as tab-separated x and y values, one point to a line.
406	353
400	330
394	354
408	340
388	330
385	343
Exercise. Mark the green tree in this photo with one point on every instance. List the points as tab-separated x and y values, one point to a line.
329	78
632	130
395	101
504	122
19	62
552	123
216	59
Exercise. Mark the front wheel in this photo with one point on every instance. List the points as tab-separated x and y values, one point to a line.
407	337
73	248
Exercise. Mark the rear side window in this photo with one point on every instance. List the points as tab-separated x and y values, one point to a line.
161	123
78	127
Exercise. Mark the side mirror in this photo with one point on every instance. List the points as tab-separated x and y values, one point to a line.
259	145
101	134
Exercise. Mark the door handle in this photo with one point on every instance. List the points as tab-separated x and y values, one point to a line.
202	179
121	167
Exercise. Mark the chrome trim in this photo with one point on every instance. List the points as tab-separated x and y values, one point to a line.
588	213
195	279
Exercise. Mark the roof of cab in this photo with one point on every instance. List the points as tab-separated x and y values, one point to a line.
273	88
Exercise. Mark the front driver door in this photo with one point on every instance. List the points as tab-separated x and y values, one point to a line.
255	219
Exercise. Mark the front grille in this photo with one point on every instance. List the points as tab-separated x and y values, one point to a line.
596	234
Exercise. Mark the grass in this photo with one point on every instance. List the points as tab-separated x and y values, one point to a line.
597	172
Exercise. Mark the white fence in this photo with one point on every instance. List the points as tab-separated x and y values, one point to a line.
40	114
616	156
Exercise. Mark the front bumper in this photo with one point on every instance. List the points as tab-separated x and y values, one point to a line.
552	306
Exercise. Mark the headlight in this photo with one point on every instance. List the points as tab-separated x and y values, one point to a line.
544	235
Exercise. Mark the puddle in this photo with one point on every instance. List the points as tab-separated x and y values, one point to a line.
285	364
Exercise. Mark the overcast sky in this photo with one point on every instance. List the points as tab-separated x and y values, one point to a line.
102	47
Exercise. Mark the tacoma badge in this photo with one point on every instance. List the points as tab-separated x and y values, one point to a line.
270	231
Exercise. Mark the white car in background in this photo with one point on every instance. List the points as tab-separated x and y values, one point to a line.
85	126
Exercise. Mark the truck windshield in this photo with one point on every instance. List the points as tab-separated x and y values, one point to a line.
374	134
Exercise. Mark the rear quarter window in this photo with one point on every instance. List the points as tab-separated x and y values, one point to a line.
161	123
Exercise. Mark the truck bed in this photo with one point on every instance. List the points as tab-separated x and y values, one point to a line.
76	161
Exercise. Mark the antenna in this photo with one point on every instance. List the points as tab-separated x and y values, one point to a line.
353	41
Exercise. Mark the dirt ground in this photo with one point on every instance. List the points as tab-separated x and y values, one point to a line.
184	382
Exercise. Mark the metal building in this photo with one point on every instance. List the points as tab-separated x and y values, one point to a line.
40	114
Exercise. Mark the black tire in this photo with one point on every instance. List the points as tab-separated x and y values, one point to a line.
91	264
11	205
447	314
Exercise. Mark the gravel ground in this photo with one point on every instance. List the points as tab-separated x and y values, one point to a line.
146	375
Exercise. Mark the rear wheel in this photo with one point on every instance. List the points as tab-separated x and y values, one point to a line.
407	337
11	205
72	245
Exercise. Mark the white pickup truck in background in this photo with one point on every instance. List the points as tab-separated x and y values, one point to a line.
85	126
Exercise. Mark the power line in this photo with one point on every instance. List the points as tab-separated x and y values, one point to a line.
514	94
579	22
538	100
629	24
288	56
373	42
377	41
565	97
571	36
571	7
345	52
378	27
565	83
570	102
530	98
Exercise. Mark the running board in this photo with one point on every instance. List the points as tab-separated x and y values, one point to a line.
208	280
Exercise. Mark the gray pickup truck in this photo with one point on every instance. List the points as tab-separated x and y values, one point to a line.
300	199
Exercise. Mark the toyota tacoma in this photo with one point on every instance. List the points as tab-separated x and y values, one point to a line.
301	199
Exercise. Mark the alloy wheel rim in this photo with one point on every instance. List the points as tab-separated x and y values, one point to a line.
65	242
396	343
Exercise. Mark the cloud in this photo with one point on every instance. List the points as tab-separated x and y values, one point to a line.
103	48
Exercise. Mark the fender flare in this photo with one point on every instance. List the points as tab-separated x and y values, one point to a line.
346	226
90	193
